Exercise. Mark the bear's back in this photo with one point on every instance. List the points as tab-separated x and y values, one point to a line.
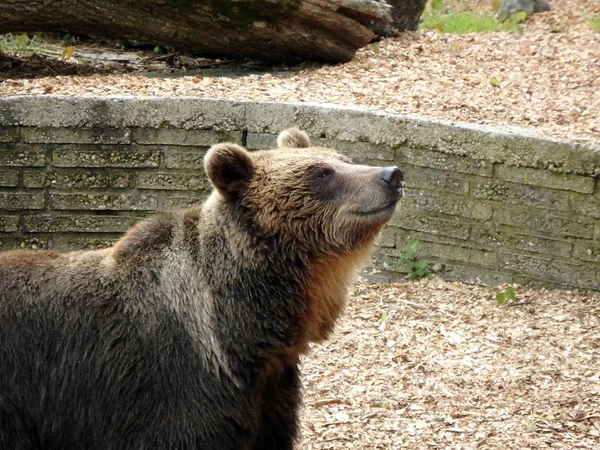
102	358
108	377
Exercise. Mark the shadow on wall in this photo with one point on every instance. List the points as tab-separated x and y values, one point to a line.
491	205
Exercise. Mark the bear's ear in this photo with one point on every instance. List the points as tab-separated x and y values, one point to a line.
229	168
293	138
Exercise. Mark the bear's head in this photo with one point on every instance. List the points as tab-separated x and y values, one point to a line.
310	198
307	204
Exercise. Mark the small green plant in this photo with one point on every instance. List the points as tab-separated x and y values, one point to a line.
595	24
516	18
383	317
436	5
453	20
416	268
508	295
22	44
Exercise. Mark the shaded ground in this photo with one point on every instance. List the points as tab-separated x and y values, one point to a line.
441	365
546	78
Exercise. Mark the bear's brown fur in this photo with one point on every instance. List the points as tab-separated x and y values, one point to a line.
186	334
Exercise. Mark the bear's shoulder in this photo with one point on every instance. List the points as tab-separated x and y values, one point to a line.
147	239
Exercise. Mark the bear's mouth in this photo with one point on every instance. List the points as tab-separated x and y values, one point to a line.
388	207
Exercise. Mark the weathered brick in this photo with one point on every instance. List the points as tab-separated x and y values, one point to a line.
9	178
77	224
9	134
557	271
411	220
105	156
387	259
545	178
436	160
119	202
552	155
89	112
437	180
515	147
585	205
449	205
587	250
333	122
171	202
387	237
501	237
91	242
446	251
520	195
101	135
176	158
22	155
31	242
7	241
529	265
9	223
477	275
546	222
259	141
173	181
198	138
537	283
358	151
63	179
377	277
22	200
270	118
388	266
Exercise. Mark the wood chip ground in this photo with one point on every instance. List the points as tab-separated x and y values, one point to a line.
437	365
546	78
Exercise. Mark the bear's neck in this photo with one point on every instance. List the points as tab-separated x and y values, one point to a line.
291	296
328	280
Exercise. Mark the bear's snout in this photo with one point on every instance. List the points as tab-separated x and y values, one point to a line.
392	178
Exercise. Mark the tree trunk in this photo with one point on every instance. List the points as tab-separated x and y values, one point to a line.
276	30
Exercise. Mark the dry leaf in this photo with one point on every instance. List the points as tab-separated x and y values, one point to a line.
67	53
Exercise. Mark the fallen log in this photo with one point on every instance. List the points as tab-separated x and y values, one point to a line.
274	30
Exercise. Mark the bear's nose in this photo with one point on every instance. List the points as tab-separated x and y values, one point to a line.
392	177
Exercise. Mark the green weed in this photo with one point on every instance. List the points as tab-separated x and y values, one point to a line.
595	24
436	5
454	20
22	44
508	295
416	268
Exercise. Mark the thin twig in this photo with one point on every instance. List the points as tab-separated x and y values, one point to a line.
526	302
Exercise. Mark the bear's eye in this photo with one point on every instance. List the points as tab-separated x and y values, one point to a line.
324	172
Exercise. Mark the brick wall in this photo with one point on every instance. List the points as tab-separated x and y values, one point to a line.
487	204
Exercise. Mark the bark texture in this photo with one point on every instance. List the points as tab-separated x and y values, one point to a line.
279	30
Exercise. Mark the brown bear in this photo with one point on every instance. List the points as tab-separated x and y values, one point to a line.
186	333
